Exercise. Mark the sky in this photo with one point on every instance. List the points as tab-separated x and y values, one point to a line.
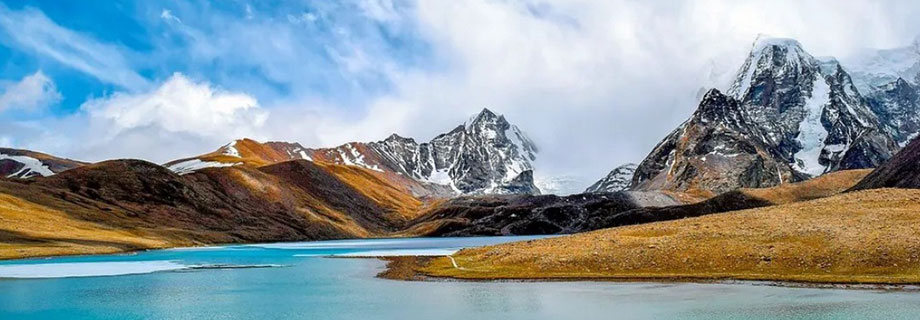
594	83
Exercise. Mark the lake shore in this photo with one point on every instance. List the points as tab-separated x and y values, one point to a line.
409	268
867	237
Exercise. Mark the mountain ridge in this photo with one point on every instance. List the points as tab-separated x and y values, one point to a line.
787	117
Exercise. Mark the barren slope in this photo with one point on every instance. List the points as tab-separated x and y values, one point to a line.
869	236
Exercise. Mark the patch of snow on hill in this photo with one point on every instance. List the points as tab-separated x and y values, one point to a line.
31	166
192	165
230	150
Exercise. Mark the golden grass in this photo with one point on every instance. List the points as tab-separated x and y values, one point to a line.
863	237
819	187
314	209
375	186
29	230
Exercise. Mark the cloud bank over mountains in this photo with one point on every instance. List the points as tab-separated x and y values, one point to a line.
593	83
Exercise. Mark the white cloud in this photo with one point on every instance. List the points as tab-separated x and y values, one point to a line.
599	83
595	83
179	117
31	30
33	92
168	16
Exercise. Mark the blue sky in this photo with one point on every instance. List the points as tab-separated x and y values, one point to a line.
594	83
287	48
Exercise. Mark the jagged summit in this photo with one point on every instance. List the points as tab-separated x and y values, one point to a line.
486	113
618	179
396	137
788	116
774	57
484	116
764	41
484	155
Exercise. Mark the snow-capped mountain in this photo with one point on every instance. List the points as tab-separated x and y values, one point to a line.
875	68
788	116
890	81
239	152
618	179
24	164
897	105
560	185
485	155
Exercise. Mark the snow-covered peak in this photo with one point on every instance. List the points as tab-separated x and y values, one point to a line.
618	179
778	56
764	41
484	155
397	138
230	149
873	68
485	119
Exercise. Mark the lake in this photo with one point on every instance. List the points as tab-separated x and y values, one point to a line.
299	281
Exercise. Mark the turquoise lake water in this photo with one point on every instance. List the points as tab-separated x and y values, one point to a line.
298	281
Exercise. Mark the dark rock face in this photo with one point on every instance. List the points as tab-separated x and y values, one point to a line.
713	151
486	155
548	214
787	117
902	171
729	201
524	215
618	179
897	105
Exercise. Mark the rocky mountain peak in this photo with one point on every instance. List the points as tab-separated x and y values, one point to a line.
716	106
619	179
897	105
485	116
781	59
395	138
484	155
788	116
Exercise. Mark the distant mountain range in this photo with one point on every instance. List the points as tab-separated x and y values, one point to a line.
485	155
789	117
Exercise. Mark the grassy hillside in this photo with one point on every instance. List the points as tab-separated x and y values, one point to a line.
869	236
129	204
28	229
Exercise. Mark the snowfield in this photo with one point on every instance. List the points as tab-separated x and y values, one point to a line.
31	166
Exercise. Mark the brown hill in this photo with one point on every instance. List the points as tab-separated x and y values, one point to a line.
859	237
147	205
255	154
902	171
